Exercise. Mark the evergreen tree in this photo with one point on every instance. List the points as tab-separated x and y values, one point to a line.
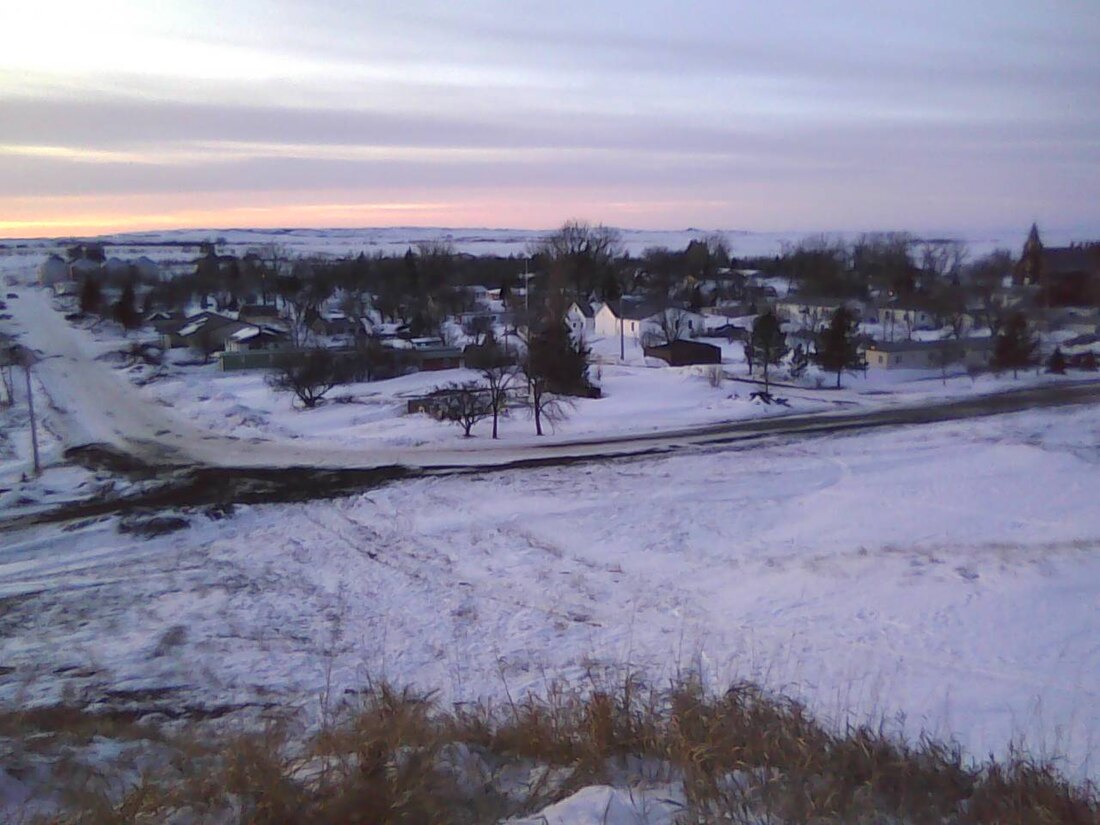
90	296
124	311
1057	362
836	344
412	274
610	290
1015	346
769	344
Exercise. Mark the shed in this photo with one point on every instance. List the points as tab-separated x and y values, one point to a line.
682	353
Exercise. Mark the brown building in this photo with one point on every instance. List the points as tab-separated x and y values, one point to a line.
1066	275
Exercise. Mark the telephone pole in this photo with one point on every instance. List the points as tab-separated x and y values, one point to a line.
25	358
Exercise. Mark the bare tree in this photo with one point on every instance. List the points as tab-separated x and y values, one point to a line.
582	251
309	376
983	279
942	259
463	404
499	379
498	367
478	327
302	295
356	305
948	351
666	326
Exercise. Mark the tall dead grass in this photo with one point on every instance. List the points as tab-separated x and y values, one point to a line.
746	756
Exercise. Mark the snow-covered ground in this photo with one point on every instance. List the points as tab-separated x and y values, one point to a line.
950	573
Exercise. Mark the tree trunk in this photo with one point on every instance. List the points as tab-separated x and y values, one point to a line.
494	421
838	379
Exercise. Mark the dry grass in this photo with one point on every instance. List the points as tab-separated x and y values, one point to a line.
744	757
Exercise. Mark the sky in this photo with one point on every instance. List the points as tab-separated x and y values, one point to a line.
794	114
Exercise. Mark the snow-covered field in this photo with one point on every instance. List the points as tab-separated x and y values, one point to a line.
950	573
18	254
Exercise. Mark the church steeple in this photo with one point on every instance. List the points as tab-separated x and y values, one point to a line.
1033	238
1029	270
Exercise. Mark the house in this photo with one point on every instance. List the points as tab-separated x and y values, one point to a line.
438	358
252	338
814	312
905	314
52	271
206	331
581	320
258	313
163	321
640	319
927	354
332	324
681	353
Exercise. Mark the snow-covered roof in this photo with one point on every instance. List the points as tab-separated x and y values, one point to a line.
256	331
207	320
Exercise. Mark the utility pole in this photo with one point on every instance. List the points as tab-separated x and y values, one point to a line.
25	358
622	333
34	426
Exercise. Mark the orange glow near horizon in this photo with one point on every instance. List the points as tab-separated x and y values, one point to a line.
24	218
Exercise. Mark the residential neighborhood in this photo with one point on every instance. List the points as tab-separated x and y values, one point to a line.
431	309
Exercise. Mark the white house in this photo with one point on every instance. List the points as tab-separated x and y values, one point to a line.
910	315
260	337
581	320
813	312
52	271
638	320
